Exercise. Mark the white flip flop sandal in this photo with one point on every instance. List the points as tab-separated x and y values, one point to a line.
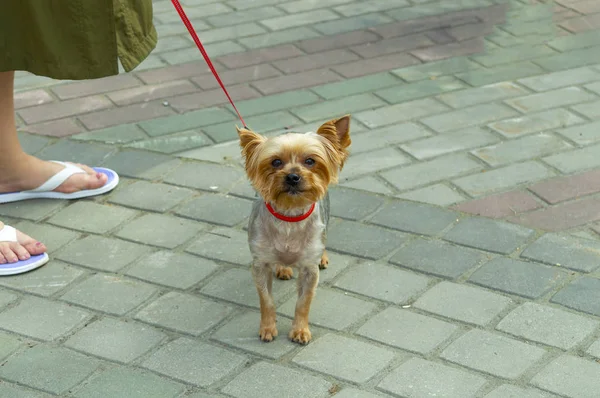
45	191
9	234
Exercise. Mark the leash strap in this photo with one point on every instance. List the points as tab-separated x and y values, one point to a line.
190	28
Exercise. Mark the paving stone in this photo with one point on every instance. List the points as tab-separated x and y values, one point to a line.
32	144
419	378
194	362
41	319
581	295
479	95
370	6
357	85
565	251
351	24
72	151
242	332
513	54
407	330
424	173
503	178
548	325
510	391
183	313
324	110
223	244
46	281
355	393
594	349
91	217
490	235
337	264
105	254
12	391
180	271
264	379
551	81
570	59
266	122
589	109
276	102
187	121
173	143
570	376
8	344
236	285
452	49
160	230
565	188
150	196
485	76
386	137
297	81
344	358
66	108
400	112
576	160
551	99
140	164
530	280
436	194
138	384
472	116
259	56
353	204
331	42
576	41
420	89
501	205
216	209
186	55
535	122
414	217
113	135
369	162
302	18
332	309
464	303
52	369
349	237
108	293
314	61
435	69
369	183
6	298
225	152
208	177
437	258
447	143
494	354
524	148
115	340
562	216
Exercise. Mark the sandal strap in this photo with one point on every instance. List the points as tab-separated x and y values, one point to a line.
57	179
8	234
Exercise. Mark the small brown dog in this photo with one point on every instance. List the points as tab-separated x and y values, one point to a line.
288	224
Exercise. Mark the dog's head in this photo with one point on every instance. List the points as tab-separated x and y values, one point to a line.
294	170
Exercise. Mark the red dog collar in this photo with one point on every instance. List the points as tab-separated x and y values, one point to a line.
291	219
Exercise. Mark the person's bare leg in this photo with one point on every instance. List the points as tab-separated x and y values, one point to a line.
20	171
22	249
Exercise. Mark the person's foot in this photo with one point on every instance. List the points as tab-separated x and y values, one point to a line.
22	249
30	172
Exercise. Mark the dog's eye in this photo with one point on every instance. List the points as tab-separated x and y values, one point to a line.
309	162
276	163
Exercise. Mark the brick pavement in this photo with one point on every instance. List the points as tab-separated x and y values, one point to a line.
461	109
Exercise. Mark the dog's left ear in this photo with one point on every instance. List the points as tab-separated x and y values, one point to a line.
337	132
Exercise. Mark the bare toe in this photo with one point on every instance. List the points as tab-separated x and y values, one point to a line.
79	182
7	252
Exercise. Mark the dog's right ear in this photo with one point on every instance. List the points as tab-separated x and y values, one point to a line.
249	141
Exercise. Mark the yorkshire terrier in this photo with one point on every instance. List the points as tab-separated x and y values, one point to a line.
288	224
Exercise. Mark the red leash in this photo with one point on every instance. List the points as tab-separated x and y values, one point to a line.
190	28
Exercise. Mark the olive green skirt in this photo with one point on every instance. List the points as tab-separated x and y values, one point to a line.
75	39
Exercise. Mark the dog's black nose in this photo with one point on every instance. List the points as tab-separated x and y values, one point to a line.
292	179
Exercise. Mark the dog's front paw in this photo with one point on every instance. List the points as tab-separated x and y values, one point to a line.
284	273
267	333
300	335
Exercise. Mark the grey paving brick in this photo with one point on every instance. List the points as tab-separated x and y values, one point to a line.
493	354
34	209
141	164
52	369
32	144
11	390
504	177
332	309
275	121
160	230
180	271
414	217
208	177
491	235
225	152
183	313
242	332
437	257
400	112
137	383
194	362
551	99
353	204
217	209
420	378
424	173
349	237
465	303
41	319
566	251
349	104
530	280
113	135
236	285
370	162
466	117
151	196
187	121
337	264
436	194
548	325
304	18
91	217
223	244
115	340
447	143
570	376
535	122
510	391
351	24
420	89
354	393
583	134
383	282
551	81
344	358
407	330
369	183
356	86
108	293
98	252
594	349
73	151
485	76
6	298
8	344
575	41
513	54
46	281
276	102
570	59
583	294
479	95
435	69
387	136
265	379
576	160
